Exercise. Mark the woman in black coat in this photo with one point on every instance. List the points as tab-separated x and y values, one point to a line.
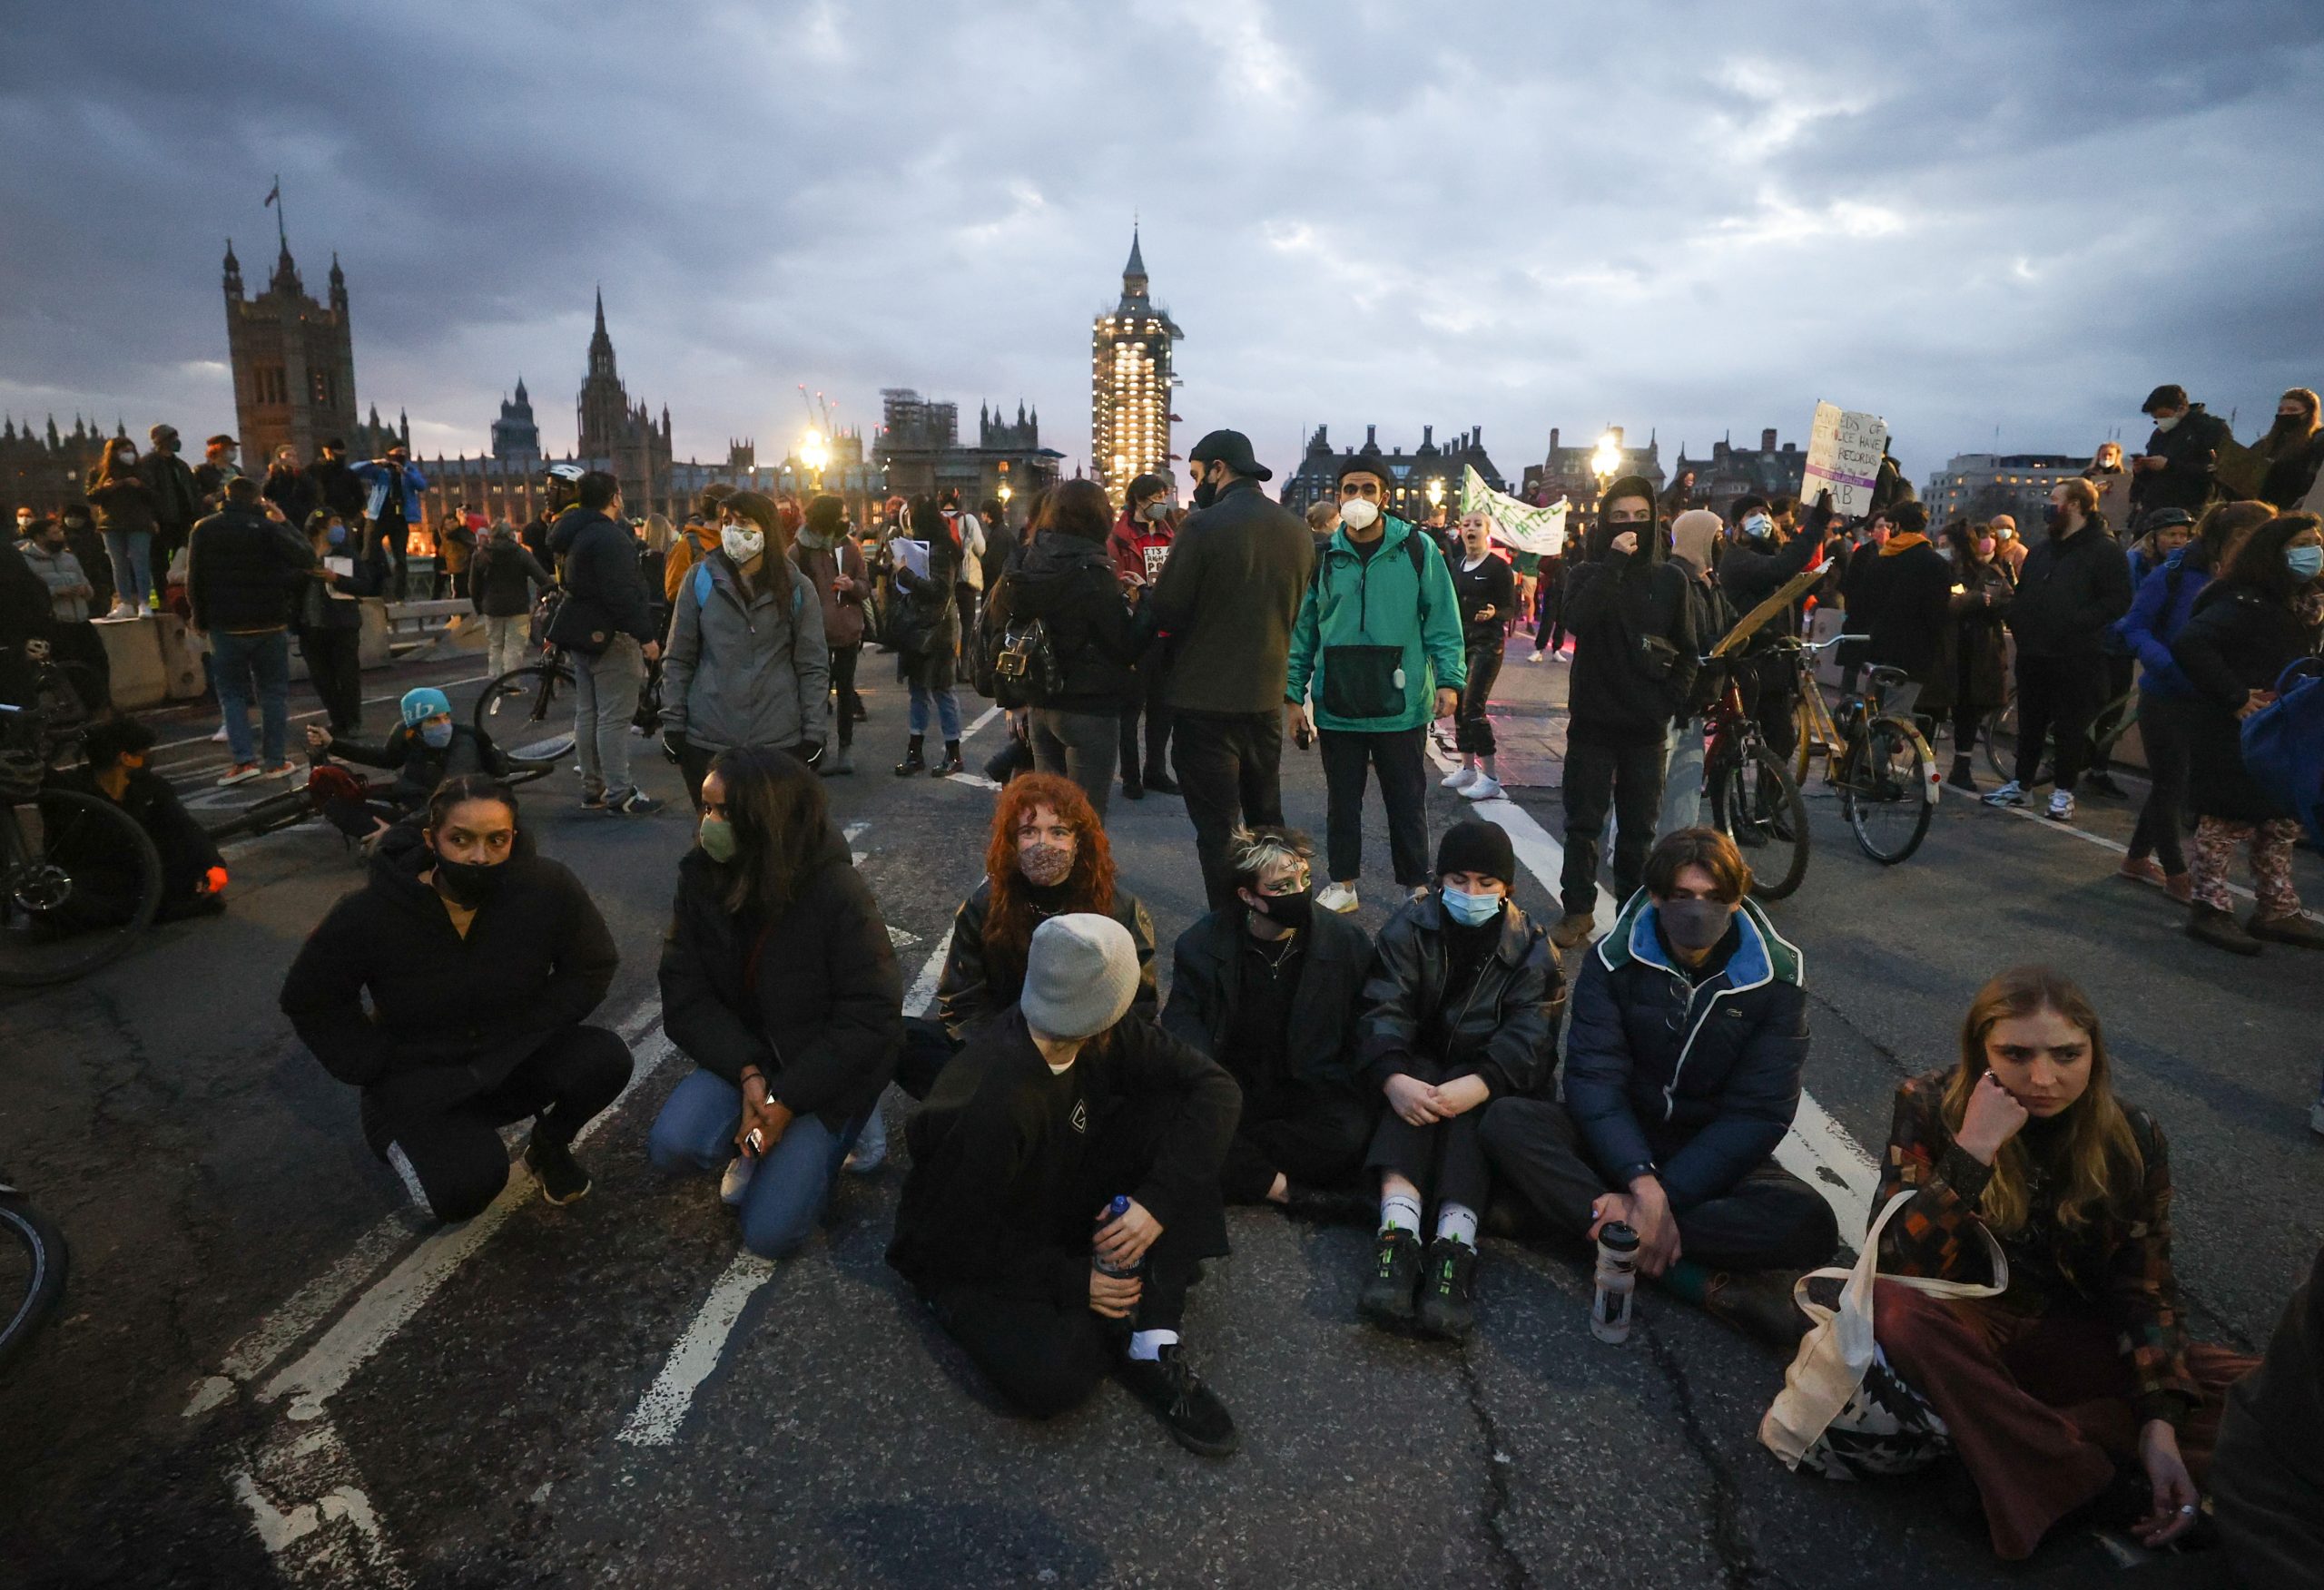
481	961
1972	675
925	633
2250	624
1067	580
330	618
779	980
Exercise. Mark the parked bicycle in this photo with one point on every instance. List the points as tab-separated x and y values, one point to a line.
1753	800
530	691
1885	772
33	1260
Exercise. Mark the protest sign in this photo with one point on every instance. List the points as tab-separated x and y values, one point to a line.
912	554
1843	452
1515	523
2114	500
2239	468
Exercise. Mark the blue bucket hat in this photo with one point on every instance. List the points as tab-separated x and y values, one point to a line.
425	703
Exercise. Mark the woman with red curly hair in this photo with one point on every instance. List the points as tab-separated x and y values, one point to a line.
1047	857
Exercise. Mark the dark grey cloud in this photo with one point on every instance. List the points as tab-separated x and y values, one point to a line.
1692	217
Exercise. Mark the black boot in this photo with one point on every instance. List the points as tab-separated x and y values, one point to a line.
1190	1410
1448	1289
1962	777
952	763
913	762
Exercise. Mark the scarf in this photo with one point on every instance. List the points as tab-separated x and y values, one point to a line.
1904	543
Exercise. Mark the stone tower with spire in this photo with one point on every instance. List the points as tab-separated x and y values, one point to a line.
515	437
293	360
617	435
1131	383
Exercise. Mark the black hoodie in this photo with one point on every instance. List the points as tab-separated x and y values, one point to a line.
1635	646
450	1016
1070	585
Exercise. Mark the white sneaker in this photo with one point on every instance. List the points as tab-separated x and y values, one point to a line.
2061	806
737	1179
1537	656
1336	896
121	609
219	738
2010	794
1460	778
870	1149
1485	788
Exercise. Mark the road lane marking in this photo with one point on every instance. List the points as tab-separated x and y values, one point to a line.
1816	1148
655	1420
317	712
2103	843
987	716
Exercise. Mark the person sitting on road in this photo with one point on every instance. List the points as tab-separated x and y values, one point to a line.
747	664
1461	1010
469	1031
779	981
423	751
1064	1106
1047	857
1682	1075
2077	1385
193	874
2267	1472
1272	989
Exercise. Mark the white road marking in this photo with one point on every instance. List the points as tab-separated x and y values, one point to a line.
1816	1148
304	1310
924	988
2103	843
987	716
977	780
655	1420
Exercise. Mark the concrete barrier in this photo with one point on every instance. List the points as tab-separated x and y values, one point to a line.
134	650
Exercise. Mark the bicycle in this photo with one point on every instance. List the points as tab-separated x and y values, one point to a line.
1753	800
79	879
33	1260
1815	732
2113	720
542	679
1885	772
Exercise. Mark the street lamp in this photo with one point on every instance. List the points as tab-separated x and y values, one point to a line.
814	455
1606	459
1435	493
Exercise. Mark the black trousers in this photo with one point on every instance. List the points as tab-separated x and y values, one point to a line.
1769	1220
2165	729
1311	1135
91	675
394	537
1348	754
457	1153
2121	672
1549	630
335	668
1149	694
2057	698
1445	1159
1472	729
1628	779
1229	768
1770	688
850	705
1045	1355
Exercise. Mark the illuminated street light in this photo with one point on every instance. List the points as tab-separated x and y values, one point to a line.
1606	459
1435	492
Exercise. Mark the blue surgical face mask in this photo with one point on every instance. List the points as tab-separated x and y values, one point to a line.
437	735
337	535
1470	910
1759	525
2304	562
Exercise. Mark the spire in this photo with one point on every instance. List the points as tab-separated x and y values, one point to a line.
233	273
521	399
1134	273
601	311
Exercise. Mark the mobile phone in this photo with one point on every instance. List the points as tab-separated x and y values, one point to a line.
756	1144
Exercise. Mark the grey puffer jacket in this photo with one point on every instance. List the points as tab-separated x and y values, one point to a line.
741	671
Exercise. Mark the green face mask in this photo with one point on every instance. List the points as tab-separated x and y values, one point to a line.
717	838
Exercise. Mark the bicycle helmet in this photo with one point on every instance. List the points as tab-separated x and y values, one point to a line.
564	481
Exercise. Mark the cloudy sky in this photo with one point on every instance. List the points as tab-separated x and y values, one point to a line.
1977	219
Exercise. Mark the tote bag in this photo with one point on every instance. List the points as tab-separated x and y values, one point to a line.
1842	1412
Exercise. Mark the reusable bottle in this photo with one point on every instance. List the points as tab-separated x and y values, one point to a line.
1114	1211
1610	1313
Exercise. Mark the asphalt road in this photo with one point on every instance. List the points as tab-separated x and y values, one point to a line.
267	1370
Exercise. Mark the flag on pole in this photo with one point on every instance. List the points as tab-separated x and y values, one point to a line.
1515	523
274	193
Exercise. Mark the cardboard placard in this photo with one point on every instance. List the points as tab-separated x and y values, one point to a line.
1844	451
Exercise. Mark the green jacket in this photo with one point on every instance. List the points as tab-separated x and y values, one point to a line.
1362	621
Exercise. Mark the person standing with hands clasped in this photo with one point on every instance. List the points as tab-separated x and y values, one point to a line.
1485	586
1378	645
1064	1191
607	621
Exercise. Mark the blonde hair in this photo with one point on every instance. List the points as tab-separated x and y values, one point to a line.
658	534
1323	515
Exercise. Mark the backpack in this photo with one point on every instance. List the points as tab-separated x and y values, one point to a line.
2283	745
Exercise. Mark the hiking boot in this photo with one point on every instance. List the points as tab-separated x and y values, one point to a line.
1572	928
1190	1410
2221	930
1758	1304
2103	784
1962	777
2010	794
2141	869
2295	929
1386	1296
1448	1289
1160	783
952	763
560	1175
914	761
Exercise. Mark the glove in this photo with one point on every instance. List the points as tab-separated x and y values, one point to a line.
808	751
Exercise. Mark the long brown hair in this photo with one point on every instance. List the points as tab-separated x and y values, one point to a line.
2101	1157
109	464
1010	921
780	814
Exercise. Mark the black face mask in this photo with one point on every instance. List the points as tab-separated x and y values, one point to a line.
2054	517
1292	911
1205	494
1694	926
467	884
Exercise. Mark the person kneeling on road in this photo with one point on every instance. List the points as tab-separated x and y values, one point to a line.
471	1029
1461	1010
423	751
193	874
1064	1190
779	981
1272	989
1682	1075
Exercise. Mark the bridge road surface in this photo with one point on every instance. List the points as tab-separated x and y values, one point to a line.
269	1371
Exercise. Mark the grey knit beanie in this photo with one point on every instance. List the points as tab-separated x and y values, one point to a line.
1080	975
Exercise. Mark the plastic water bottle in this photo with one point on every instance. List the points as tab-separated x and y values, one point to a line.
1115	1211
1610	1313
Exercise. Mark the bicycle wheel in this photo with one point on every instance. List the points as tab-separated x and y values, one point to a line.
1889	797
1755	804
520	698
1803	742
2003	721
79	881
33	1263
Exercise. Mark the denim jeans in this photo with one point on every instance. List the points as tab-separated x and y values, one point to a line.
695	1132
235	660
130	552
946	706
604	698
505	642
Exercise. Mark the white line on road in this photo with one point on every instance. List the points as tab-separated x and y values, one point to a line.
655	1420
2103	843
1816	1148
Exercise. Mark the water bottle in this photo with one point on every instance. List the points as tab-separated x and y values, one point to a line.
1115	1211
1610	1313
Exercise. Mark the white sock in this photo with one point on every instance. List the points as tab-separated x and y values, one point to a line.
1149	1344
1458	1221
1400	1211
